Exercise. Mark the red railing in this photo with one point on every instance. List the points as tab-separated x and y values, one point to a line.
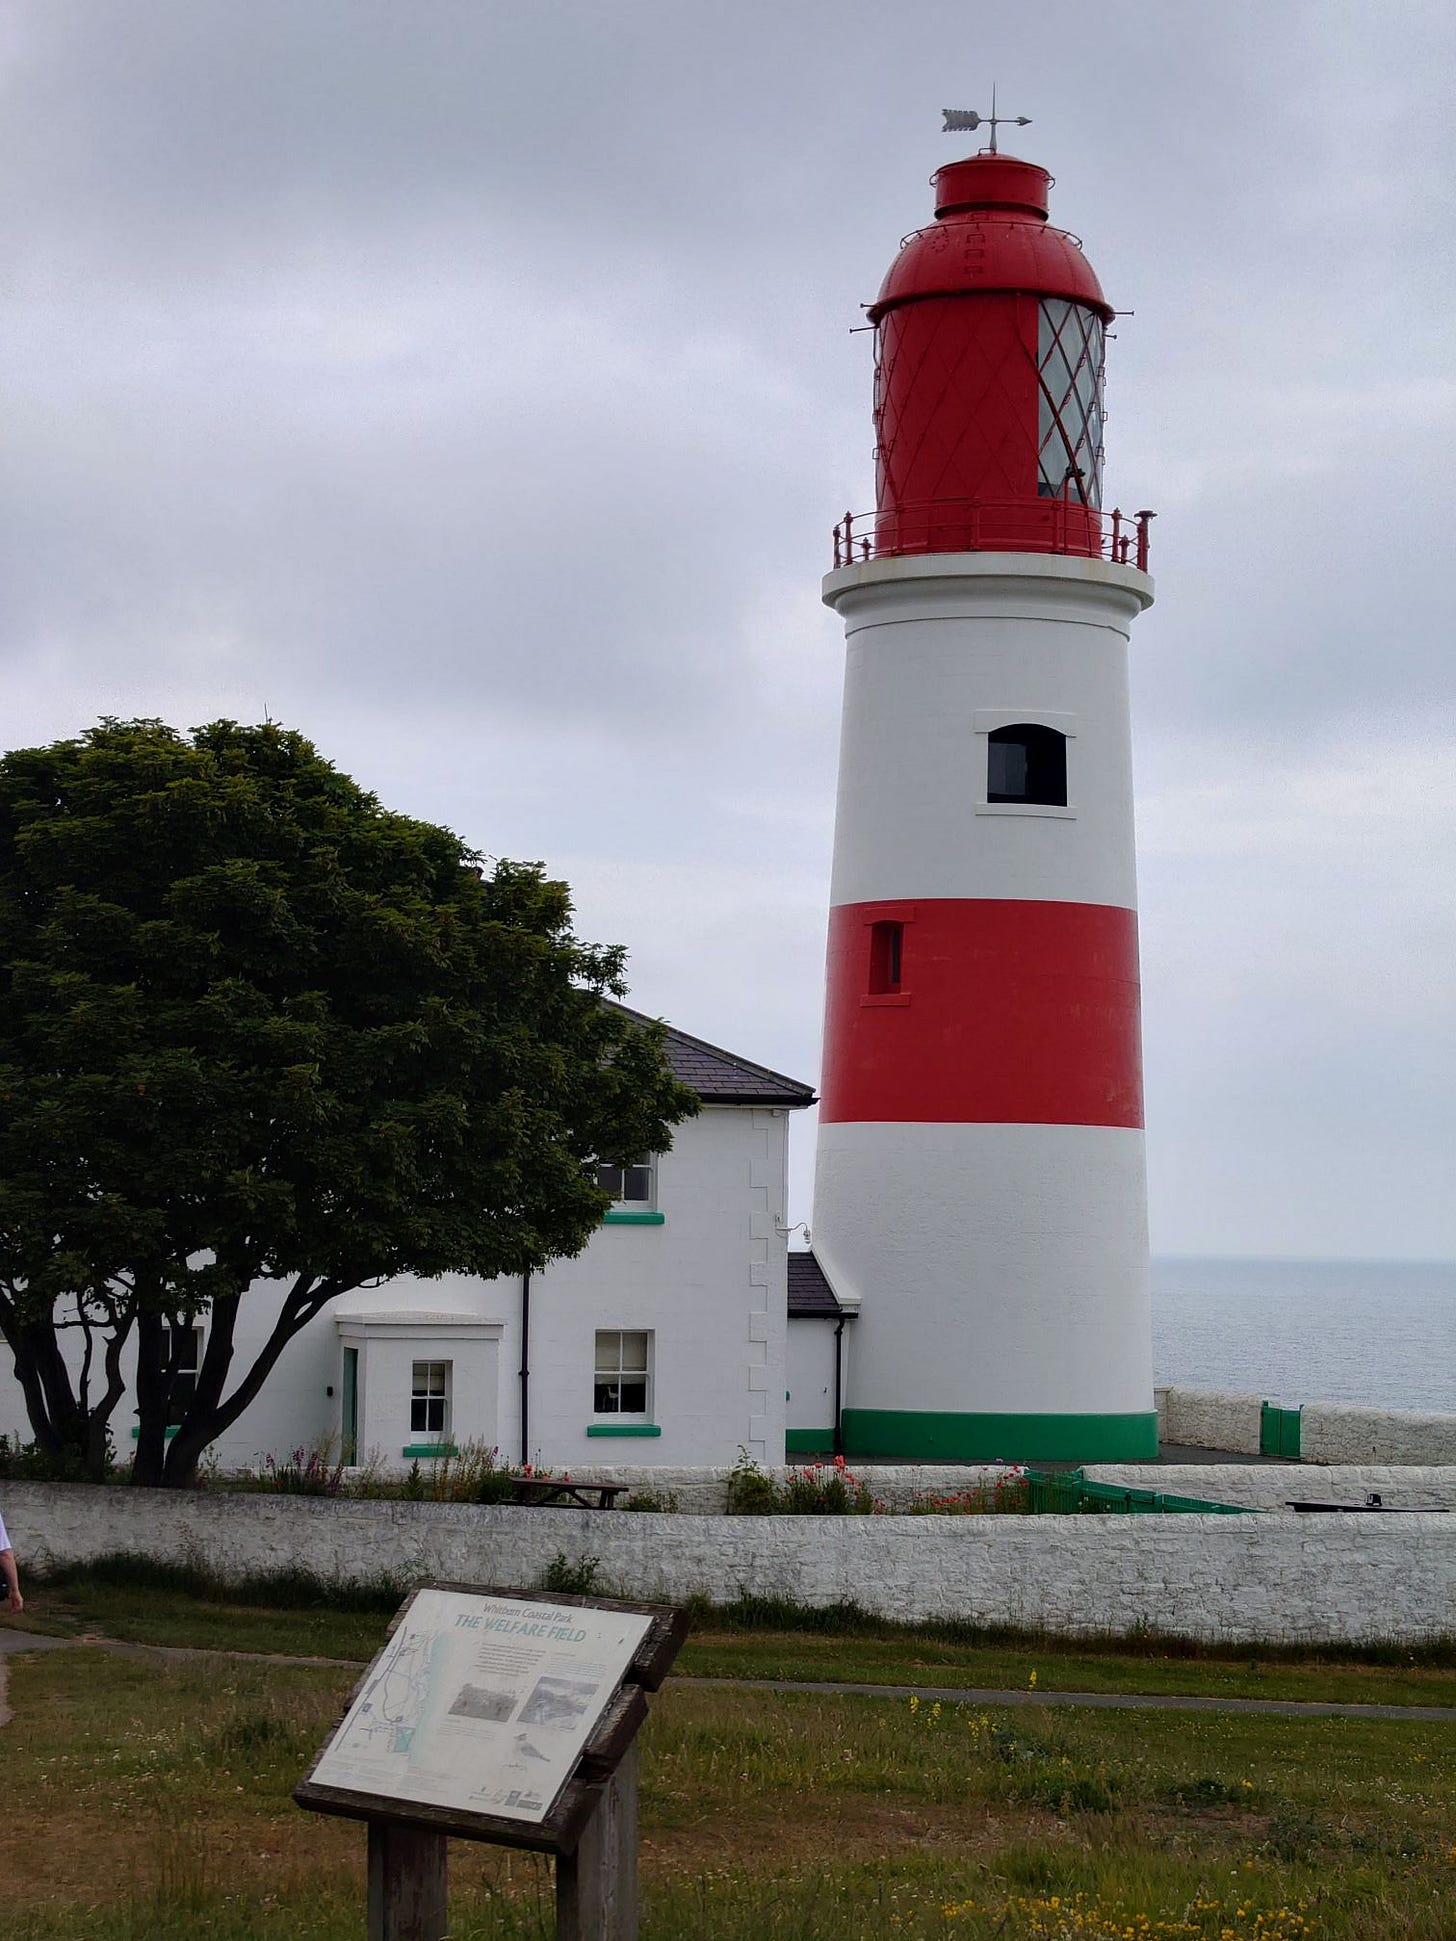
979	526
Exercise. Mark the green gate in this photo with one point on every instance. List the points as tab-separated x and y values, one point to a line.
1279	1431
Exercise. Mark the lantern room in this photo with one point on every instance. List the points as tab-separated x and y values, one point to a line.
990	331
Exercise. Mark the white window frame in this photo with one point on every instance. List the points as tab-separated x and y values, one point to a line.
609	1364
179	1405
424	1392
647	1164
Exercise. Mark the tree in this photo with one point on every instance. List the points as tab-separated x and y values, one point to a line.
254	1027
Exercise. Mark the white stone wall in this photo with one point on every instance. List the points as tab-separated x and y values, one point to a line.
705	1491
1272	1486
1330	1433
1233	1578
1255	1486
1206	1418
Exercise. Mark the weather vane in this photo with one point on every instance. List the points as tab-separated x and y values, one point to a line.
958	120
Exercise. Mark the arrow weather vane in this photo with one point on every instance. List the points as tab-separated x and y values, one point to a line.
958	120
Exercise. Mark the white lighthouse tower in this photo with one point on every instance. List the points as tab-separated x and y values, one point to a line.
980	1197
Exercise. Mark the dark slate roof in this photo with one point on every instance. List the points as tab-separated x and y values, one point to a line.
810	1294
722	1077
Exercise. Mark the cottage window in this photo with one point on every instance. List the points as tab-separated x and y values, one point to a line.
633	1187
430	1398
182	1352
623	1376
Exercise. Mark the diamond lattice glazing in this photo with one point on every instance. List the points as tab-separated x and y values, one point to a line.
1069	427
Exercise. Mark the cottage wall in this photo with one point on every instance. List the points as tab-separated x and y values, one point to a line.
707	1281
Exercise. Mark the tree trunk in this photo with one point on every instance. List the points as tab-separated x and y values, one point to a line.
208	1416
56	1418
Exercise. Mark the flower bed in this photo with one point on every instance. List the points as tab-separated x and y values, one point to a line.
833	1489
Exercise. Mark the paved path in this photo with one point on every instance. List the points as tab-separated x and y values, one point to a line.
13	1641
1291	1708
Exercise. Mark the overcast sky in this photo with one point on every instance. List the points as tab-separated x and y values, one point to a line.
469	384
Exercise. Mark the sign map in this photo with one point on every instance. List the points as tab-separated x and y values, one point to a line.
482	1704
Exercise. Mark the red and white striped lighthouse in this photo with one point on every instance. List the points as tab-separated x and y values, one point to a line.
980	1195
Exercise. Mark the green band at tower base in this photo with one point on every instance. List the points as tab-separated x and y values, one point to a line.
1007	1438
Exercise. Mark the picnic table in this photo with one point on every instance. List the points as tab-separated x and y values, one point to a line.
560	1491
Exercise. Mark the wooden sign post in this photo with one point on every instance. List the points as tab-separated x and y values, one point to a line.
408	1883
596	1884
503	1716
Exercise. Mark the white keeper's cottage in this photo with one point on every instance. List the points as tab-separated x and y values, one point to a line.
665	1341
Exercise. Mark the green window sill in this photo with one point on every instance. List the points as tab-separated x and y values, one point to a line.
622	1428
621	1218
429	1451
169	1431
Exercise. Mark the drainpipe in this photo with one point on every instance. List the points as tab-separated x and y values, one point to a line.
839	1385
526	1367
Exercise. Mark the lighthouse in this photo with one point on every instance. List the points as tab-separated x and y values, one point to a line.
980	1200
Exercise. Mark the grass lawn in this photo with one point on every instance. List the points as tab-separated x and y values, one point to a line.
125	1600
171	1614
918	1659
151	1800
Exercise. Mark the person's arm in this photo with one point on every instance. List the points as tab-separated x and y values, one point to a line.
12	1579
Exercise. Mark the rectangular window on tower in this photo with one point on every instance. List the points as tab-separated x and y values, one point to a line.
887	958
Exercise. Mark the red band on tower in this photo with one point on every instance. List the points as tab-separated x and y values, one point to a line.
1004	1012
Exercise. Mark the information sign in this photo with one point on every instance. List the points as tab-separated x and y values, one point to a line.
482	1705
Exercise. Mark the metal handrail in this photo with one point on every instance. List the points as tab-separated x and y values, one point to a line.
986	526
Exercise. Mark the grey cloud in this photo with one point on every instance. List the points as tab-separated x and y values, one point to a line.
471	384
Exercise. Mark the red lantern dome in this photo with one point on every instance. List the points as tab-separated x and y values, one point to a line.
990	331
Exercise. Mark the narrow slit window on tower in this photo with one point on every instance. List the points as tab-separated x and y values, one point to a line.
887	950
1027	762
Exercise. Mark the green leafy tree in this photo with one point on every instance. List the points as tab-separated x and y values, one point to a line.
256	1028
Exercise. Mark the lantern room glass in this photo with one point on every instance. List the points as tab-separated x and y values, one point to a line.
1070	350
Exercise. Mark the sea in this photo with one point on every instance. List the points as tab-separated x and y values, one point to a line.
1379	1333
